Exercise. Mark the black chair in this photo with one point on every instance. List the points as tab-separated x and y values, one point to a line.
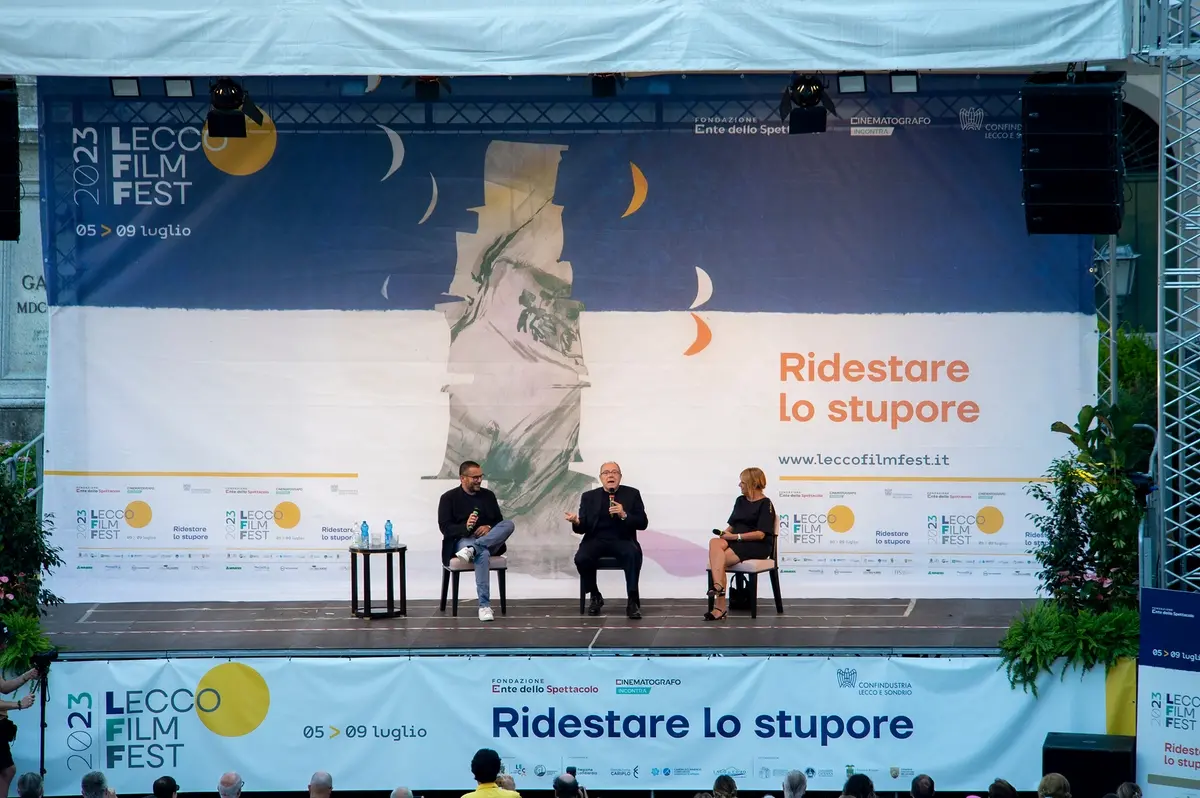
451	573
602	564
751	569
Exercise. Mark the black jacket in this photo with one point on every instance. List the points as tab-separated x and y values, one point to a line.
593	505
455	508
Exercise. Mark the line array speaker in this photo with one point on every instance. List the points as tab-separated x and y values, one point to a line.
1072	169
1094	764
10	164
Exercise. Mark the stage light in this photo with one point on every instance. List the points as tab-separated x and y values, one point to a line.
804	105
179	87
905	83
231	105
852	83
429	87
126	87
605	84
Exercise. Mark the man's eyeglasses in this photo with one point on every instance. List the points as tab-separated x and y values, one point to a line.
610	473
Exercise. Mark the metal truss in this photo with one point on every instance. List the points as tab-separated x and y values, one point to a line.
1177	48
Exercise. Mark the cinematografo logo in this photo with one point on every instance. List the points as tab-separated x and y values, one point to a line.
107	524
255	524
140	728
643	686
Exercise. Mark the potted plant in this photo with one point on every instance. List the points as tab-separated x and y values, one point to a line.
26	559
1089	557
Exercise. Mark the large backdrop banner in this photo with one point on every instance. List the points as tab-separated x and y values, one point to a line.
258	344
643	723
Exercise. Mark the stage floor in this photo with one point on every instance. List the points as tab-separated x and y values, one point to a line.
814	626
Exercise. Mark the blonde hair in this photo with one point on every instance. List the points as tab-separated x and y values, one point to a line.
754	478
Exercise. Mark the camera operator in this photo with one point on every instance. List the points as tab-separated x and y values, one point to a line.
8	729
565	786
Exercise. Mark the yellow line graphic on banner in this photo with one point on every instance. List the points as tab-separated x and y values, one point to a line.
216	474
810	478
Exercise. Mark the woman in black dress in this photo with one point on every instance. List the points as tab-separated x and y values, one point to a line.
749	536
8	729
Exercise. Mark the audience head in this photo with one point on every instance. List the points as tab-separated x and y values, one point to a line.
29	785
230	785
402	792
470	475
505	782
859	786
795	784
724	787
565	786
94	785
1129	790
485	766
610	476
752	479
1054	785
1001	789
320	785
922	786
165	787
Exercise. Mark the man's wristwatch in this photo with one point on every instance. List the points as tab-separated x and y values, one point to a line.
739	535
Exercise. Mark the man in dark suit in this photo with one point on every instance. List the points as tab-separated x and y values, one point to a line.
609	519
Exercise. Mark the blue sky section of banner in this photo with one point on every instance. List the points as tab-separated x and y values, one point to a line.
926	220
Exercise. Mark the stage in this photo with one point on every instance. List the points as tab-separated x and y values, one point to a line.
874	627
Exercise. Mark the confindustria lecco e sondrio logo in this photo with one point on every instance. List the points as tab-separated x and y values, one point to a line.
150	727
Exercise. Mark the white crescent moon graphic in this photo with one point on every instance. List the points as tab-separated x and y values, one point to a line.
373	82
383	290
432	200
397	151
704	288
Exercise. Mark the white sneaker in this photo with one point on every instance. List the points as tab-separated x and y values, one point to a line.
486	614
466	553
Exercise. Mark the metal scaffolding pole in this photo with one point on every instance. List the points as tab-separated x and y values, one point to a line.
1177	49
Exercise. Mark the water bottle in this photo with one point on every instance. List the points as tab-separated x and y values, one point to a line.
388	540
364	540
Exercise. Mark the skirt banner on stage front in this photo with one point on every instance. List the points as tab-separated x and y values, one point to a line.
641	723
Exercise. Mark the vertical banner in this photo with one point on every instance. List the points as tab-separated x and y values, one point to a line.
1168	734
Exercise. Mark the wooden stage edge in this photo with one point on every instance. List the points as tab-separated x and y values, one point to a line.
812	627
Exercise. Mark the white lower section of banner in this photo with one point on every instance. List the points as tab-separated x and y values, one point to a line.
234	455
1168	733
623	723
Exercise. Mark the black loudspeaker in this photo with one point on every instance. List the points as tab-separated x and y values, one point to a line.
1071	162
10	164
1094	764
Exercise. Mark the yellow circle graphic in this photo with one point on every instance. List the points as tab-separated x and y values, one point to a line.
287	515
137	514
241	157
989	520
232	699
841	519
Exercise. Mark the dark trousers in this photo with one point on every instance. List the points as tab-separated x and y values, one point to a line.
627	553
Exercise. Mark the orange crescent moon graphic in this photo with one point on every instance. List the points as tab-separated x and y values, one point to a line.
703	337
640	187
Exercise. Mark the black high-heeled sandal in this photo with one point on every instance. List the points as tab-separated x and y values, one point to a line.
712	615
716	590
